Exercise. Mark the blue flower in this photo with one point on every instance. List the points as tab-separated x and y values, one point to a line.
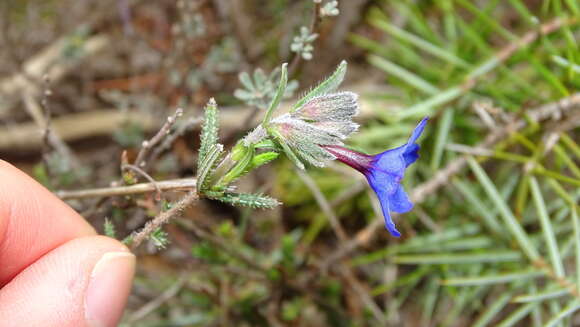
384	172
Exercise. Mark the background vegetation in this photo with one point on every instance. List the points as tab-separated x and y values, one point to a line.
493	240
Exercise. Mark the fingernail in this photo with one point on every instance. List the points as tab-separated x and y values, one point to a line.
109	287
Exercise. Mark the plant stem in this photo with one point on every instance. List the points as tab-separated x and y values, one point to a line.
163	218
183	184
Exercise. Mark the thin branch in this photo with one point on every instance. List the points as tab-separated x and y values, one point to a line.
323	204
145	175
42	121
163	218
170	139
159	300
184	184
147	146
295	63
363	294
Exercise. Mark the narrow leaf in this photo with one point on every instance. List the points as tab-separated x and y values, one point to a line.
457	258
209	130
542	296
576	225
403	74
207	165
442	137
256	201
566	312
287	150
492	311
328	85
510	220
517	315
278	96
549	235
493	279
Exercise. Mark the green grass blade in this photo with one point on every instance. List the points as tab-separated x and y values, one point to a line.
426	107
517	315
510	220
418	42
488	217
549	236
494	309
443	129
569	142
493	279
458	258
412	79
541	296
576	225
566	312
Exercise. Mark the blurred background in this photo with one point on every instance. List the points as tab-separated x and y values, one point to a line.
493	240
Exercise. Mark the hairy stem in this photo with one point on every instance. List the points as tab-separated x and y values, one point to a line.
163	218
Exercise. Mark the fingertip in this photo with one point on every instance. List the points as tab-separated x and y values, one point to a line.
33	221
84	282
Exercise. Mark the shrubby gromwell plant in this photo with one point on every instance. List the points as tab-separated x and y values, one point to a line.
313	132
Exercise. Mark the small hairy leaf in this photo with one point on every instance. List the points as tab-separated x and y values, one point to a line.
327	86
109	228
287	150
263	158
209	131
256	201
207	165
279	94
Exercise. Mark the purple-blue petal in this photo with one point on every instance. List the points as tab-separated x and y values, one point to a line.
383	197
384	186
387	171
399	201
417	131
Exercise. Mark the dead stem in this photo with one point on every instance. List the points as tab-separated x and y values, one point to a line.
147	146
184	184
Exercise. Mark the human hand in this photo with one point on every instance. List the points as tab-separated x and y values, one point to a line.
54	269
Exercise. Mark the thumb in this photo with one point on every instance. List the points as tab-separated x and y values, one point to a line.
84	282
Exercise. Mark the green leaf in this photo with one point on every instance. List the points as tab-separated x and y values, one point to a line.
206	166
242	167
403	74
328	85
287	150
209	131
159	238
493	279
256	201
443	129
510	220
567	311
458	258
278	96
576	225
542	296
517	315
263	158
549	235
492	311
419	42
109	228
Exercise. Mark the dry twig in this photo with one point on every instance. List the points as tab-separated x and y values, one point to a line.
163	218
185	184
163	132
